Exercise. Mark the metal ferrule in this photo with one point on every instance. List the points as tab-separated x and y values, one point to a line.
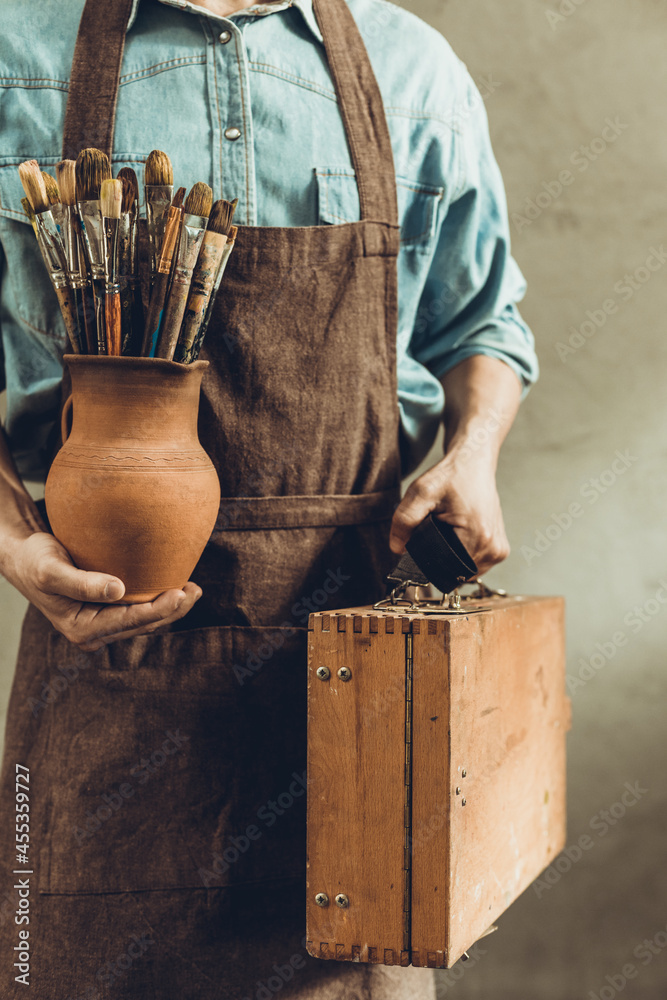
158	202
111	227
192	236
51	247
93	237
58	213
127	245
70	236
226	253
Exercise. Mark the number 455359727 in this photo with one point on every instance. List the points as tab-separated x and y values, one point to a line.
22	814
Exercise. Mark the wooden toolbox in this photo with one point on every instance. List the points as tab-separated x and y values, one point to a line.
436	773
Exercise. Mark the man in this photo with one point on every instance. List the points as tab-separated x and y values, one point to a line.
339	136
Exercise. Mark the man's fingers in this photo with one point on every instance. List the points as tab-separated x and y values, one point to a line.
58	577
139	619
421	497
487	547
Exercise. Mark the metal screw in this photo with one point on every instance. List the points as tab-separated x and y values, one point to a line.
345	673
463	802
458	790
323	673
322	899
342	901
464	773
465	956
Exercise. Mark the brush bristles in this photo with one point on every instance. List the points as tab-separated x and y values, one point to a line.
199	201
158	171
111	199
233	233
33	185
177	200
52	192
92	167
221	217
128	179
27	208
66	177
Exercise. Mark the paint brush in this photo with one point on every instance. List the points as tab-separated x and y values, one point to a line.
162	275
77	275
50	245
158	190
27	208
111	197
196	213
93	167
51	185
204	276
224	260
53	198
132	310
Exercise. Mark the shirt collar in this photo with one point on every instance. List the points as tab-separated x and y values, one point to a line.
305	6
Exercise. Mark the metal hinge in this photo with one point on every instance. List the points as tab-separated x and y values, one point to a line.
407	811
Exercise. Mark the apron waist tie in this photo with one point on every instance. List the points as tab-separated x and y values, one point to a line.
267	513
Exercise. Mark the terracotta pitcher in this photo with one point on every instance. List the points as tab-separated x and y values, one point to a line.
132	492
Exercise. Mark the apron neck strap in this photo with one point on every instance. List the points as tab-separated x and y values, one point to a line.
93	87
362	110
93	92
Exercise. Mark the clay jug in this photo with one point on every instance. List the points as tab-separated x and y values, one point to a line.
132	492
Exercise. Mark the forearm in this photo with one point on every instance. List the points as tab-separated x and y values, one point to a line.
19	516
482	397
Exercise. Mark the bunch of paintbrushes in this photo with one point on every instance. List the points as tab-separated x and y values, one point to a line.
86	227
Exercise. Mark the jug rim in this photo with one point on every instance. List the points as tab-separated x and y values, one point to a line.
128	361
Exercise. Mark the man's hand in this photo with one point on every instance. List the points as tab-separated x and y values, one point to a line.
482	397
464	491
78	603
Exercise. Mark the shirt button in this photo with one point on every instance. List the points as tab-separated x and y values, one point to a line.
224	37
232	133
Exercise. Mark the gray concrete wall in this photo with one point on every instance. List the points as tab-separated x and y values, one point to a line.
556	85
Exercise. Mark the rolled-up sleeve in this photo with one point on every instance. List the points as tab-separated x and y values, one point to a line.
468	305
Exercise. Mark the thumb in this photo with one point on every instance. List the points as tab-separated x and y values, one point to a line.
419	500
57	576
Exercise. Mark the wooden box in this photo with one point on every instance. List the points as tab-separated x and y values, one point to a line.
436	774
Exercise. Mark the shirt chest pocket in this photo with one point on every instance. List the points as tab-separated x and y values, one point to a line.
418	205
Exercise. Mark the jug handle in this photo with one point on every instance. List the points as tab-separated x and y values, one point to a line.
66	419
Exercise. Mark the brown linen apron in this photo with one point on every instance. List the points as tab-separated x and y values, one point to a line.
168	771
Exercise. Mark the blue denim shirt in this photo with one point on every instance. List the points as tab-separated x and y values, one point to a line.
247	104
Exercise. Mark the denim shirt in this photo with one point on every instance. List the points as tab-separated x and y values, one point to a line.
247	104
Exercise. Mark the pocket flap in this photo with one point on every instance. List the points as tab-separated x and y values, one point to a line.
417	204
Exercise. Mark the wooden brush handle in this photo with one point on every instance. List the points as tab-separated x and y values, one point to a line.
68	309
173	315
113	324
200	292
154	318
89	322
127	328
132	317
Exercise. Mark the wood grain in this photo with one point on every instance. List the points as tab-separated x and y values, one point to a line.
356	767
500	680
68	309
488	723
112	314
